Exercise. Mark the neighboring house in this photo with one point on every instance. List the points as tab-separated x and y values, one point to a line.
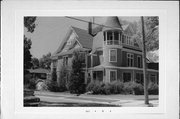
110	53
40	73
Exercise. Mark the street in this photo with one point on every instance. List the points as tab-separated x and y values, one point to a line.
68	100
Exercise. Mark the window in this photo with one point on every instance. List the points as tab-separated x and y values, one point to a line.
126	77
112	55
116	35
123	39
139	61
130	59
113	75
65	60
109	35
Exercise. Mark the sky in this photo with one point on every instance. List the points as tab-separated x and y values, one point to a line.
50	31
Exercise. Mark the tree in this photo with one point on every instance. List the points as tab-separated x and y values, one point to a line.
76	82
29	23
35	63
45	61
63	78
151	27
152	34
27	54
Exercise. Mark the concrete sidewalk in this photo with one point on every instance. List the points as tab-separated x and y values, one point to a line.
118	100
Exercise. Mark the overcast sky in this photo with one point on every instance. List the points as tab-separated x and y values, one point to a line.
50	31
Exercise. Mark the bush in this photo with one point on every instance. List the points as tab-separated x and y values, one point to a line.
53	86
98	87
116	87
133	88
106	89
138	89
153	89
128	88
32	83
54	76
90	86
29	82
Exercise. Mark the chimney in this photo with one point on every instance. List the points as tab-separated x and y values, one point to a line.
90	28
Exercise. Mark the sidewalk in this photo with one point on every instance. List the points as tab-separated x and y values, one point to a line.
117	100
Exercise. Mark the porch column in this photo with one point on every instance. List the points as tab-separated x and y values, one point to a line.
133	80
106	38
113	37
119	37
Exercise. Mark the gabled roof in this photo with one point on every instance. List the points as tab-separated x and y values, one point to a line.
84	39
128	29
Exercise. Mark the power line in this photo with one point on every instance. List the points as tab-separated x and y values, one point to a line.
93	22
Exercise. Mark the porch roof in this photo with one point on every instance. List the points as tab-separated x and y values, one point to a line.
102	67
97	68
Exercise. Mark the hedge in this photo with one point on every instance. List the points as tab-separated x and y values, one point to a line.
118	87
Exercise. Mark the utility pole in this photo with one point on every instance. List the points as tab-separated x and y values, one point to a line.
144	63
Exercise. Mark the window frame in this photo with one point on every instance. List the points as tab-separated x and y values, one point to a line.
115	74
131	58
110	55
123	76
139	66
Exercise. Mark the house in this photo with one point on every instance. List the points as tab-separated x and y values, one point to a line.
39	73
110	50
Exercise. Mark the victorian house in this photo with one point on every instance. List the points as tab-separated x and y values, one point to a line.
110	50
